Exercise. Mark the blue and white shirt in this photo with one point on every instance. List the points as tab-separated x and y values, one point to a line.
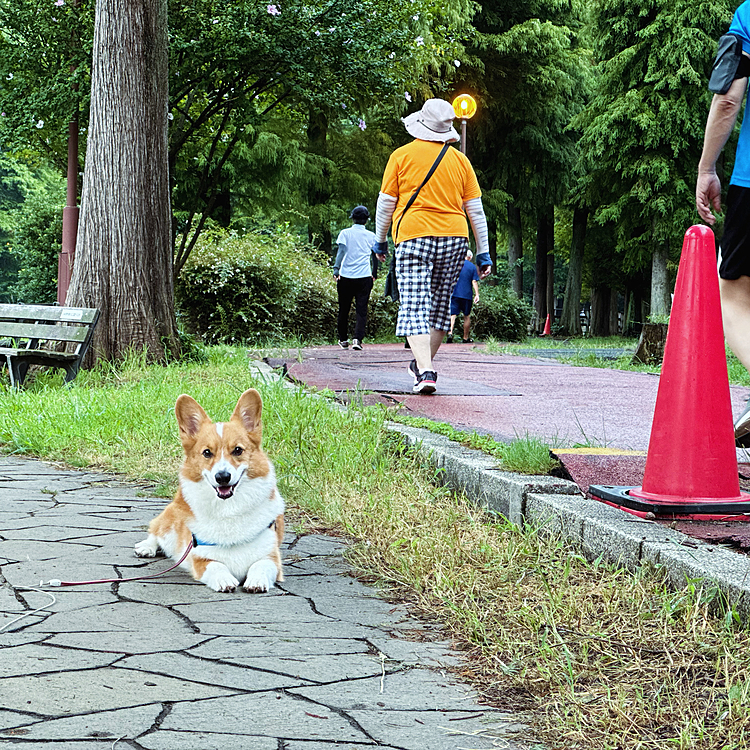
740	27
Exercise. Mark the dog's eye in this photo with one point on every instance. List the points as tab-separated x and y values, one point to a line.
207	453
238	451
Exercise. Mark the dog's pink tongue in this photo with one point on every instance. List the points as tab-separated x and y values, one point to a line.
225	492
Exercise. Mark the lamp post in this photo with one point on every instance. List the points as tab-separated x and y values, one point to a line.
465	107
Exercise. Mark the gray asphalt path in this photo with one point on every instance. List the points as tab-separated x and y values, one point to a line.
321	662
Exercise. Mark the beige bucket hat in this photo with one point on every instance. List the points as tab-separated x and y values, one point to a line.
434	122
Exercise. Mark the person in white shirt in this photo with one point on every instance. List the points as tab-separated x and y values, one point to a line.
354	273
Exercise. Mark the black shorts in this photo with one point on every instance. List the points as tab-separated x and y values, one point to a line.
734	252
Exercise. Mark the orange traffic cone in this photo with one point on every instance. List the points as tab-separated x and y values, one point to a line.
691	466
547	328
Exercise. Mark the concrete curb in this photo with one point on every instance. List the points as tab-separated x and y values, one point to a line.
558	507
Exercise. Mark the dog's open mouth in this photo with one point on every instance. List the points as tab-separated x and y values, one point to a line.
225	491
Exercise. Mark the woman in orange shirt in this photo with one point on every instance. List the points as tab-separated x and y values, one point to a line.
432	236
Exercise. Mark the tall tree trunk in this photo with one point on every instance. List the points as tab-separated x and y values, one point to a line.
614	313
319	193
601	298
571	319
661	298
540	271
515	249
124	251
492	239
551	265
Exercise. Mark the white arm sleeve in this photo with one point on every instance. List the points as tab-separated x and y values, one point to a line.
383	215
477	219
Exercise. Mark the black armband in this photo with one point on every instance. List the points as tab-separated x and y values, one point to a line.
729	64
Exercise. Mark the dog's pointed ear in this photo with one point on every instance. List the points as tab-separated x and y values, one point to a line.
248	411
190	417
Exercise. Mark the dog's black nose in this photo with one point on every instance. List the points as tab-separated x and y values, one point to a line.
223	478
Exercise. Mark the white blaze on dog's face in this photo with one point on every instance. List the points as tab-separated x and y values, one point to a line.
222	454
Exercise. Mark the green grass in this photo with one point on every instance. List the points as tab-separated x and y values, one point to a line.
601	658
525	455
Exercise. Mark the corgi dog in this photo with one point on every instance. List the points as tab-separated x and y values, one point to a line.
227	505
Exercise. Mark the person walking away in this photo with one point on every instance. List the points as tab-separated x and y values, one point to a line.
729	84
461	299
354	273
428	190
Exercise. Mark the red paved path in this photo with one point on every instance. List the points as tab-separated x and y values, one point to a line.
508	396
502	395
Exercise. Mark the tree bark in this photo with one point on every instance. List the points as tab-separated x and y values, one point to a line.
601	298
614	313
515	249
540	271
124	252
650	350
319	193
551	265
571	319
661	299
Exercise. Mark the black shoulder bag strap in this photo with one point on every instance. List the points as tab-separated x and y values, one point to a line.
416	192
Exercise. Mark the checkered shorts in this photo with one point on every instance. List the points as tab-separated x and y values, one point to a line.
427	269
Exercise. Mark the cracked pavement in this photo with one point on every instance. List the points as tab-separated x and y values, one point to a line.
168	664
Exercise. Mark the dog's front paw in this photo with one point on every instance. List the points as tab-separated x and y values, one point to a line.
149	547
261	577
218	578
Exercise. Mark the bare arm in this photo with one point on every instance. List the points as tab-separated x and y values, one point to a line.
721	120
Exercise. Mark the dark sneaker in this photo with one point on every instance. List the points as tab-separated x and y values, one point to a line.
449	338
357	345
344	344
742	428
467	341
426	382
414	370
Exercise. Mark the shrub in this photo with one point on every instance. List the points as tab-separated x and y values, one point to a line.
36	244
256	287
500	314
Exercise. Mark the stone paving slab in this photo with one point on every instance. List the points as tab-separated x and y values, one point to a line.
168	664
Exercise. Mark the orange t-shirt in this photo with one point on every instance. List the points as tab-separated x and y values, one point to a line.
438	210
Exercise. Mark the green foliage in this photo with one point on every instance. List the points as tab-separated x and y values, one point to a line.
45	51
36	245
255	287
532	75
500	314
643	130
30	228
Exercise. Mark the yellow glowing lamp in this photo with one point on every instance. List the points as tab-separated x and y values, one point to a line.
464	106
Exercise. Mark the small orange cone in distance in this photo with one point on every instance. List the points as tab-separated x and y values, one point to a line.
691	454
547	327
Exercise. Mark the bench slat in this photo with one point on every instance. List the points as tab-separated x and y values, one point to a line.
43	355
48	312
43	332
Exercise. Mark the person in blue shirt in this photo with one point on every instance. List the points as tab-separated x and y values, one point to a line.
461	299
734	252
354	270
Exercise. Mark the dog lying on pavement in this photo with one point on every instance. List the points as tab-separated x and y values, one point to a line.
227	506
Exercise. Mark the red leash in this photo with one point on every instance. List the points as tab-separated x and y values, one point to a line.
55	582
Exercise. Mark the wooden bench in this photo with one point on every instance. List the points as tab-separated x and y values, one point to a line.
30	335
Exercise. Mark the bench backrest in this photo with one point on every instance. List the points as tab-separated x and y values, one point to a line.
48	323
